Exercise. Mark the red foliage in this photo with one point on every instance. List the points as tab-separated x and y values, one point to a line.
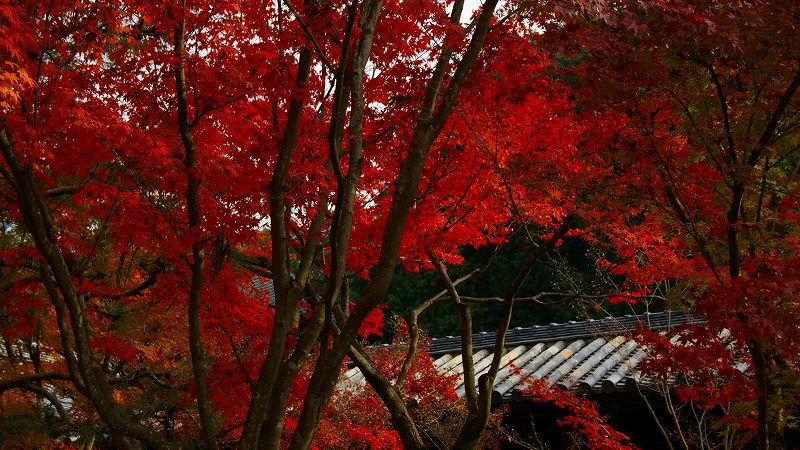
581	415
97	243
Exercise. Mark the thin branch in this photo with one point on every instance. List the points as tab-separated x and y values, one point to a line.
340	95
228	430
50	397
33	378
723	102
145	373
413	327
766	136
259	266
465	327
138	289
476	423
194	219
310	36
256	270
390	395
237	354
61	190
684	218
655	418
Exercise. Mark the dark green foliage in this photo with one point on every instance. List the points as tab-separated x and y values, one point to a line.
568	268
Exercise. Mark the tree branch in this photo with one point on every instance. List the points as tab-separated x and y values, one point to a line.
413	328
766	136
144	373
476	422
310	35
465	328
199	366
59	191
723	102
258	266
285	296
89	375
391	397
140	288
50	397
33	378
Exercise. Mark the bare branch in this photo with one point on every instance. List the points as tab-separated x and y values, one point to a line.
258	266
199	367
391	397
33	378
413	327
144	373
61	190
723	103
476	422
140	288
465	328
50	397
237	354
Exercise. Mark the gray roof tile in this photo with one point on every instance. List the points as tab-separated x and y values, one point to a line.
597	355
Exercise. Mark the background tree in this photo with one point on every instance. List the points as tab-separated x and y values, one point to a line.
710	149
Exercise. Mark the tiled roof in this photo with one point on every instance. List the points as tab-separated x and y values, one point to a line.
596	355
569	331
259	286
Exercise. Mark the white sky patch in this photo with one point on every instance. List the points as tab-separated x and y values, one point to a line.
470	6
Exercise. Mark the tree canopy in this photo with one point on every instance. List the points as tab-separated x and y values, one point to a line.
157	157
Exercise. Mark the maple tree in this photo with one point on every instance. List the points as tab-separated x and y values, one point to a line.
708	144
158	157
147	147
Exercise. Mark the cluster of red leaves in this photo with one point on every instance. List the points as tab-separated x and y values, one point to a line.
761	305
373	323
114	348
703	361
709	372
581	415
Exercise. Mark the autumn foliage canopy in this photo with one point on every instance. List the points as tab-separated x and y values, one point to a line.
165	161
